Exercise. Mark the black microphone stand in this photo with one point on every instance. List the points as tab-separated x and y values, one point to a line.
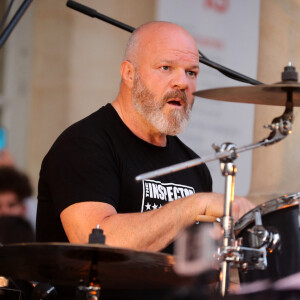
14	21
202	58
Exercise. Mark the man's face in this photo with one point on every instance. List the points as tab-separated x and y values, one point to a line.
165	78
151	108
10	205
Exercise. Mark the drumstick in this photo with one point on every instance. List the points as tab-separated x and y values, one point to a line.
204	218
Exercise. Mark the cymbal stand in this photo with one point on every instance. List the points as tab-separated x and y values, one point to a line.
92	290
230	251
228	169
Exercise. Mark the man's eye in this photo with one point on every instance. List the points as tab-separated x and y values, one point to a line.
165	68
192	73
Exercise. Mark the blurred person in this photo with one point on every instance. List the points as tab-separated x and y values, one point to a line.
6	159
15	188
28	205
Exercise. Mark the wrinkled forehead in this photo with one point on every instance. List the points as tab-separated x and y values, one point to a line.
167	41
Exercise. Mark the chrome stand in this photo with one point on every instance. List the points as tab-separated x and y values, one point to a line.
92	291
228	169
93	288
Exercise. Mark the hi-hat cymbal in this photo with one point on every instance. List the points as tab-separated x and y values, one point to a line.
71	264
266	94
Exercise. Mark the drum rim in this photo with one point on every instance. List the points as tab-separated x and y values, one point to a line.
265	208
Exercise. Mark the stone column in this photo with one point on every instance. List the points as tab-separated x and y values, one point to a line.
276	169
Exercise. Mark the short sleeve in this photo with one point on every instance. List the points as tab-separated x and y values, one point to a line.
80	169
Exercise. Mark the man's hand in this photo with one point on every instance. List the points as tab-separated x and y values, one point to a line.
215	205
240	207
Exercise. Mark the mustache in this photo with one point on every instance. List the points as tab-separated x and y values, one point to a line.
175	94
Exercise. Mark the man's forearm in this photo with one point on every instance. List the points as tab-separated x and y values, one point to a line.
152	230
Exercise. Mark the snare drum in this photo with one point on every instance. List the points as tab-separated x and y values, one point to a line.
281	217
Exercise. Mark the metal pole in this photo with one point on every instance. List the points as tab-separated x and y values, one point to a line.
228	170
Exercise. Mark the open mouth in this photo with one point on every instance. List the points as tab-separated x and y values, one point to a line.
175	102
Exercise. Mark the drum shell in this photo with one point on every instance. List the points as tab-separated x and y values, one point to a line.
285	260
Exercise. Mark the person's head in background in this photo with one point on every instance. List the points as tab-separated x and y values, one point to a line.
14	189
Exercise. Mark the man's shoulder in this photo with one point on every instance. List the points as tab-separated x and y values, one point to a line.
94	121
94	129
91	126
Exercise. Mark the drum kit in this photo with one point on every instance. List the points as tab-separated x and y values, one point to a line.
263	244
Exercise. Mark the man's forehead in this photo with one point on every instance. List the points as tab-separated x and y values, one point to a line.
191	60
166	33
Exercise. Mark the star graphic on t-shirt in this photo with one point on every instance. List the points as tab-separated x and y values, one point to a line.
148	206
154	206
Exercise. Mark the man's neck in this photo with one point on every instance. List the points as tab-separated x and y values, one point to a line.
137	124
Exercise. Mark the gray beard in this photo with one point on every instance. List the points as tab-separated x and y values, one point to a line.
150	108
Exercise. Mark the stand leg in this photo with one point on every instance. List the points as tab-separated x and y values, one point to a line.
229	171
224	278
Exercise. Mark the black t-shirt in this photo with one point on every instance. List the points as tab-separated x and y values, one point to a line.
97	159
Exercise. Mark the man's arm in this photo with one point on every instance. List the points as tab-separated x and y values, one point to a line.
152	230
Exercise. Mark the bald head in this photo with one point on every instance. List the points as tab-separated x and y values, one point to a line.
159	75
157	34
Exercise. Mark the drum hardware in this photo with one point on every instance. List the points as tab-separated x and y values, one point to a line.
232	253
273	226
263	237
97	236
243	258
92	291
266	208
93	288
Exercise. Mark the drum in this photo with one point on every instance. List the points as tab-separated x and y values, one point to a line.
280	217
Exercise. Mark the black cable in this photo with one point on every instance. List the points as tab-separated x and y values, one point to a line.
228	72
94	14
201	54
6	14
14	21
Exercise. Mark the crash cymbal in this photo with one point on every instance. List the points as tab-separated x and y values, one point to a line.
266	94
71	264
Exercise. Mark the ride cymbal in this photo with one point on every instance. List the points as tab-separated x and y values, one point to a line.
266	94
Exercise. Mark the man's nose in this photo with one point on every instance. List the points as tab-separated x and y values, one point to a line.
180	80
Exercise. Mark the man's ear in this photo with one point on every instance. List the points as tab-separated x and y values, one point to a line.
127	72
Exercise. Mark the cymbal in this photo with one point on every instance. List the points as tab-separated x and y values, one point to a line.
71	264
266	94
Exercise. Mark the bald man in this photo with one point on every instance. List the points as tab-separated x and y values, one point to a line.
88	176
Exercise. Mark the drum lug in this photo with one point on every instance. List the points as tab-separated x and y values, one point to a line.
274	241
262	237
